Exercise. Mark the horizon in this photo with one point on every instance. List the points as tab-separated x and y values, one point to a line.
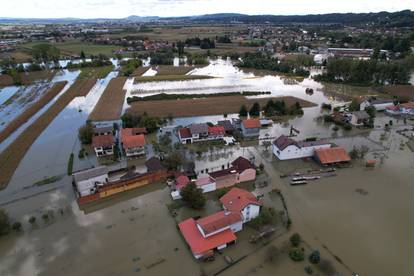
118	9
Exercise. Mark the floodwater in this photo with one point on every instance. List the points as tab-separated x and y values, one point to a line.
135	235
7	92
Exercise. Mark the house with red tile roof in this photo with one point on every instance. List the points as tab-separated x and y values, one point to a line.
103	145
250	128
242	202
332	156
133	141
217	231
200	132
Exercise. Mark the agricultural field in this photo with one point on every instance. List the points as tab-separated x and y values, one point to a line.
28	78
170	78
109	106
28	113
75	47
14	153
204	107
95	72
168	70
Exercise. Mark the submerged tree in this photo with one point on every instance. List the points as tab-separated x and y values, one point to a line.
4	222
193	196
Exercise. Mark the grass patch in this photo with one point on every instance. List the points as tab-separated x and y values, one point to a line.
48	180
95	72
170	78
70	164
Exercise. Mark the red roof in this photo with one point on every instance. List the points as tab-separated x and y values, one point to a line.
103	141
408	105
251	123
218	221
200	245
332	155
131	141
237	199
181	181
216	130
204	181
185	133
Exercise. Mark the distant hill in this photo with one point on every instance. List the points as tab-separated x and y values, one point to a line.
403	18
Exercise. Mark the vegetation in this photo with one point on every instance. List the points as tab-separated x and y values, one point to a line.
48	180
99	61
4	222
164	96
162	58
132	120
32	220
70	164
17	226
264	62
85	133
243	111
173	161
129	66
267	216
296	254
365	72
278	108
295	239
45	52
193	196
255	110
358	152
315	257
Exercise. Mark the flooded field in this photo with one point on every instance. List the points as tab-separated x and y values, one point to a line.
134	234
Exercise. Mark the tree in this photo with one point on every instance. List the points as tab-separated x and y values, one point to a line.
296	254
4	222
354	105
173	161
315	257
371	111
243	111
85	134
267	144
255	110
295	239
193	196
45	52
17	226
32	220
82	55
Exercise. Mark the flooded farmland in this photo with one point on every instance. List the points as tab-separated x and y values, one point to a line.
134	234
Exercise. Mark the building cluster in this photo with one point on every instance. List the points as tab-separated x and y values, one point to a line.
217	231
241	170
129	141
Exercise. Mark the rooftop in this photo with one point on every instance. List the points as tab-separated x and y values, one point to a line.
200	245
130	140
241	164
251	123
198	128
332	155
181	181
216	130
217	221
90	173
185	133
103	141
237	199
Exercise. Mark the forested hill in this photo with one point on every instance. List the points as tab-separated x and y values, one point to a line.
396	19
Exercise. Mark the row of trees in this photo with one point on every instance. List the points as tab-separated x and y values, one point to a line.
133	120
365	72
129	66
266	62
272	108
205	43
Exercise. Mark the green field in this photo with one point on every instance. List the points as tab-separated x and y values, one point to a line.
75	47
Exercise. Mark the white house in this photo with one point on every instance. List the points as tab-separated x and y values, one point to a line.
207	184
379	104
87	181
285	148
359	118
243	202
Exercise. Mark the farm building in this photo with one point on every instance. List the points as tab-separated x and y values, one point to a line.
242	202
285	148
332	156
378	104
87	181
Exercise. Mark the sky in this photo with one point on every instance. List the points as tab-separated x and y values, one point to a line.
166	8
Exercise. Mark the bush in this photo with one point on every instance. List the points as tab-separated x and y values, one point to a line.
193	196
32	220
295	239
315	257
267	216
85	134
222	192
17	226
4	222
296	254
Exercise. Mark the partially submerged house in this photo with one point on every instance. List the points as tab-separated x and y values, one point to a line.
154	165
200	132
228	126
359	118
405	109
86	182
103	145
250	128
378	104
97	131
241	170
133	141
332	156
285	148
217	231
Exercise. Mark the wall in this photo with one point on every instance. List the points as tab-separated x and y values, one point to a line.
209	187
254	211
84	186
247	175
226	181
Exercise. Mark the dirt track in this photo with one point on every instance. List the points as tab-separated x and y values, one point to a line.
33	109
15	152
203	107
109	106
